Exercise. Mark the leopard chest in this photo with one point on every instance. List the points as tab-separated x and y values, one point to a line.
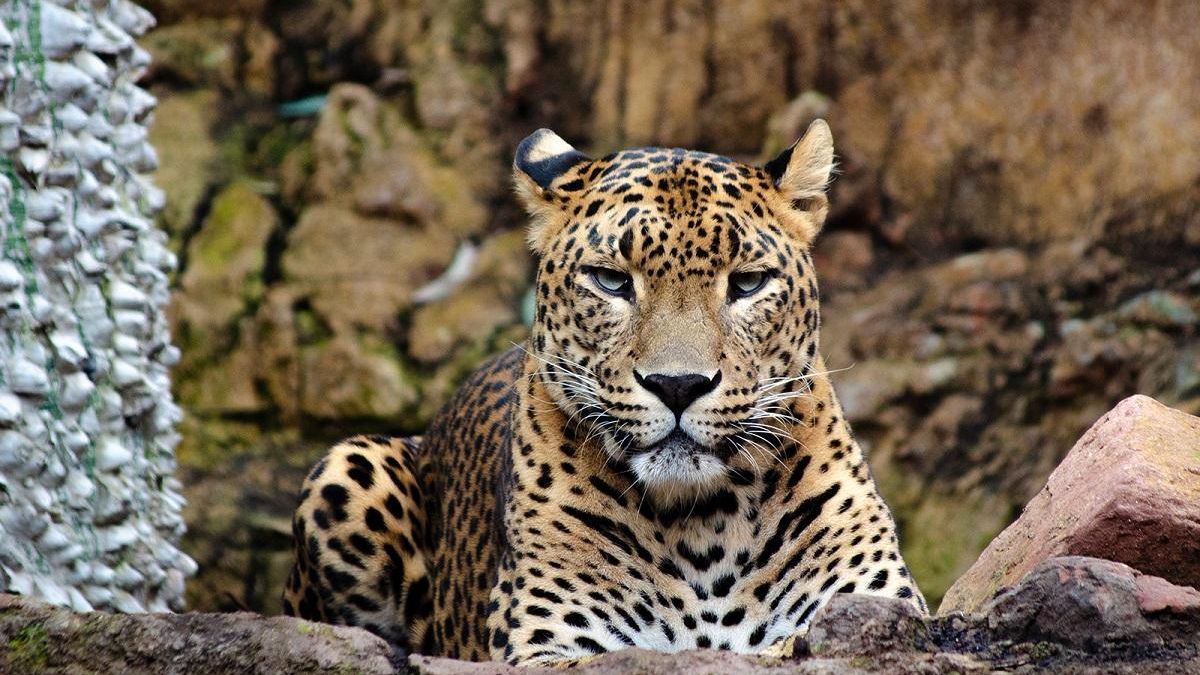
690	582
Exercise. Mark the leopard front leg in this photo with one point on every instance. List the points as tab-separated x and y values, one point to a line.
359	543
784	648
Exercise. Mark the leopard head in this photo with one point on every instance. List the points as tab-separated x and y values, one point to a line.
676	301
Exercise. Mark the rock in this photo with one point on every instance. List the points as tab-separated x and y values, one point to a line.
27	378
1155	594
1070	615
326	262
173	11
81	258
968	380
928	125
1090	605
111	455
10	408
42	639
226	257
62	31
221	282
843	258
486	302
10	276
198	53
857	625
235	507
866	388
228	383
1128	491
363	141
789	122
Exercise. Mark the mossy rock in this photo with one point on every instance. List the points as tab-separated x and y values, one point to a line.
220	284
358	272
223	266
209	441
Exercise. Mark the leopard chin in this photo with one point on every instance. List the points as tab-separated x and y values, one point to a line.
678	467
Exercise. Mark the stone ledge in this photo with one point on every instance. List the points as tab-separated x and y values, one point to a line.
38	638
1072	614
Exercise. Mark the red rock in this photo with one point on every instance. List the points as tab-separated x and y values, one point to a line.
1128	491
1155	594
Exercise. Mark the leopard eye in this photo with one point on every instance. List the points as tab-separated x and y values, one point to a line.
611	281
743	284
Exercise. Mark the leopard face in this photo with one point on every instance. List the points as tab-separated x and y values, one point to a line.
677	301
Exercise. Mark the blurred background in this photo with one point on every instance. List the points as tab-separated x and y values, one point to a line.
1013	245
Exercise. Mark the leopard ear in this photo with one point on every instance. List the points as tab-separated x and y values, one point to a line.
541	160
801	175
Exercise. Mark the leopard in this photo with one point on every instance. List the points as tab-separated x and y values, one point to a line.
662	463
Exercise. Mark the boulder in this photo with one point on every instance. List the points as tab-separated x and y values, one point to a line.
1093	605
360	272
366	152
487	301
354	378
222	269
1128	491
219	286
198	53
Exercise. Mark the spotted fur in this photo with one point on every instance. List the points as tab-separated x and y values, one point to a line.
664	465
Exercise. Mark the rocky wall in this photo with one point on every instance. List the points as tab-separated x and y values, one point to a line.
1008	254
90	510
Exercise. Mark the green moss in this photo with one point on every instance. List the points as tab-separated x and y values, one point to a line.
311	330
358	144
276	144
225	238
29	649
948	533
410	380
209	442
1044	650
233	156
861	662
460	211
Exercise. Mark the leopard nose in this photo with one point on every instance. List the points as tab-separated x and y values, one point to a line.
678	391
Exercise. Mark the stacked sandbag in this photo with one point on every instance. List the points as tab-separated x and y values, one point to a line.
90	513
